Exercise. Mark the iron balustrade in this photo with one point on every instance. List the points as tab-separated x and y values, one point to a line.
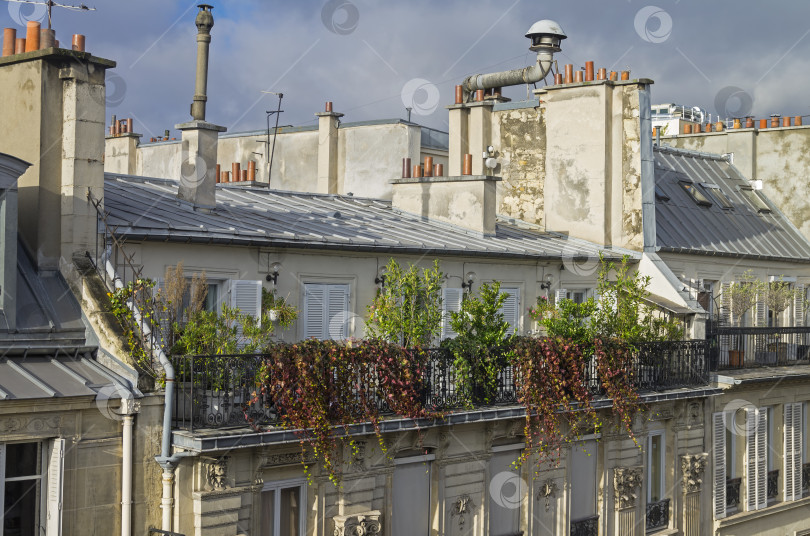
773	484
733	492
587	526
805	478
732	347
657	515
223	390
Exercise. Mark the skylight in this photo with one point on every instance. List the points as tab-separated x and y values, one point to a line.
718	194
695	193
660	194
755	199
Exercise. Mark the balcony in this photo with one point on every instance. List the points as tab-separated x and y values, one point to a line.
223	391
657	516
734	348
587	526
733	493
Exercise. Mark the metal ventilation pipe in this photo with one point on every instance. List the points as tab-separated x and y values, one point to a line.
204	22
546	36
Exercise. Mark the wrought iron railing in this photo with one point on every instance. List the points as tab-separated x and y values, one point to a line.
657	516
218	391
805	478
733	492
587	526
117	270
773	484
754	347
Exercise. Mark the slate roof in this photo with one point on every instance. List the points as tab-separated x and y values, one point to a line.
682	225
148	209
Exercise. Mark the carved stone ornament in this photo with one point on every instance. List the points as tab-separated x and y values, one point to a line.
694	414
626	482
364	524
217	472
461	507
547	490
30	424
693	466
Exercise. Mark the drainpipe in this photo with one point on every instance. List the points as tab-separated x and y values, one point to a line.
126	476
166	460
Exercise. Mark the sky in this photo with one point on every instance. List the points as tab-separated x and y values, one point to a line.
375	58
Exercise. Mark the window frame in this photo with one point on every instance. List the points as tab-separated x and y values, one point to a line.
723	201
755	200
662	455
278	485
41	484
693	191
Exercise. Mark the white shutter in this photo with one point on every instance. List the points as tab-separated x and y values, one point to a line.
559	295
761	311
793	452
451	303
314	310
798	305
725	304
751	458
719	462
337	312
247	297
511	309
762	458
55	476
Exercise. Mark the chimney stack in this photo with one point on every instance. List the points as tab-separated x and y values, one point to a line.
328	122
200	138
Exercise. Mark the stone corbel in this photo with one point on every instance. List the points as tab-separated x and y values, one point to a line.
693	467
547	491
461	507
216	473
626	483
363	524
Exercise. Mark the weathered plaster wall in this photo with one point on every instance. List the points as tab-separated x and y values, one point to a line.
520	137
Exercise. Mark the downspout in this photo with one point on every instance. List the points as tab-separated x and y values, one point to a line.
166	460
126	476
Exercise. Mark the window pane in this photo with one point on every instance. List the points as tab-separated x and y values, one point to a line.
268	512
729	446
656	469
22	459
20	508
290	511
583	479
506	493
411	496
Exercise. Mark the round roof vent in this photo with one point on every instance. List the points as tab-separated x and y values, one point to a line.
546	35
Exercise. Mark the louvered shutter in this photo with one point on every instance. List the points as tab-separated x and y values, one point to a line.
337	311
793	452
751	458
719	462
761	311
247	297
451	303
798	305
314	310
559	296
55	476
762	458
511	309
725	303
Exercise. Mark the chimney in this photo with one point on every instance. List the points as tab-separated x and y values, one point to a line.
120	151
200	138
59	126
328	122
465	200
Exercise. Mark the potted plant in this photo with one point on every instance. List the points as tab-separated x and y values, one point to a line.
276	309
742	297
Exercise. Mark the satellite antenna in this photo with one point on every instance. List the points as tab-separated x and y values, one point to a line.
50	4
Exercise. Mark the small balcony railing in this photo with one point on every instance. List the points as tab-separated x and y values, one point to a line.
220	391
733	493
732	348
806	479
657	516
587	526
773	484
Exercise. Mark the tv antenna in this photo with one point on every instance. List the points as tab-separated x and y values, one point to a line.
277	112
51	4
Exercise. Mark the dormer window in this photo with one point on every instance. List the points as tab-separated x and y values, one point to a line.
694	192
755	199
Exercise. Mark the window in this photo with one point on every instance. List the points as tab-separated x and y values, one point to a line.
660	195
695	193
794	424
511	309
718	194
655	467
284	508
583	480
719	461
755	199
507	491
451	303
212	296
31	487
756	458
411	496
326	311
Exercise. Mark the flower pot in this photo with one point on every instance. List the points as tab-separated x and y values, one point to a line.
273	314
736	358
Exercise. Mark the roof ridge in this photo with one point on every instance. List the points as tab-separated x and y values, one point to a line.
689	152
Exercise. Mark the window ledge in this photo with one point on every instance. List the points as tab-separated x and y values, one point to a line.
741	517
663	532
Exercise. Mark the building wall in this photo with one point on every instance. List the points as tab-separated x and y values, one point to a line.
779	157
463	486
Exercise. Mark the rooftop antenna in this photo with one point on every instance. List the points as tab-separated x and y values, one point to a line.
277	113
51	4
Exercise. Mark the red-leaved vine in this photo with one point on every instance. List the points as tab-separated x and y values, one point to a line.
319	387
614	360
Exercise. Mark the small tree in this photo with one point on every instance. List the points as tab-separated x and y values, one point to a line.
743	295
780	296
408	308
